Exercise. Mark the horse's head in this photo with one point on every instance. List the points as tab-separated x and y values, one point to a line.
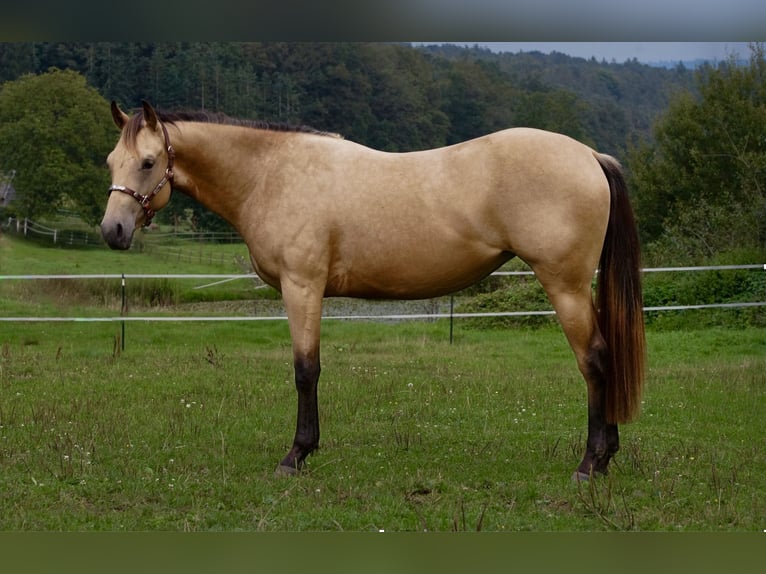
142	172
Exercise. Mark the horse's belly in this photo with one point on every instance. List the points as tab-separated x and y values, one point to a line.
412	277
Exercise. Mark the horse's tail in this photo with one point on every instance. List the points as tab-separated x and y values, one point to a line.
620	303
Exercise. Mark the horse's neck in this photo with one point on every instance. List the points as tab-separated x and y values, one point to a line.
213	164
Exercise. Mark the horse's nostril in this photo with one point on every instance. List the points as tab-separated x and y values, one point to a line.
117	235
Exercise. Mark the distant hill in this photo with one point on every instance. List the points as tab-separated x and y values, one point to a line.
389	96
621	100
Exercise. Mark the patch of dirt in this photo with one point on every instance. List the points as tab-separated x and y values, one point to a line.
332	307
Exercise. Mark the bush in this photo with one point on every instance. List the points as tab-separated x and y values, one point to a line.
709	287
661	289
522	293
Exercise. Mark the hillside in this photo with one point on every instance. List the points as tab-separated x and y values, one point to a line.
619	102
390	96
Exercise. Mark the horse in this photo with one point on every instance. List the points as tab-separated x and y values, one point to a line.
323	216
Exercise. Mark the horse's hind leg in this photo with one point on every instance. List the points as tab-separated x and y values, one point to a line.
603	438
577	316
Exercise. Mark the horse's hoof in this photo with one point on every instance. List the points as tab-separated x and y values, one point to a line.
579	476
283	470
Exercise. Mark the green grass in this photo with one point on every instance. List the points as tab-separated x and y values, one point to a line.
182	430
64	297
18	257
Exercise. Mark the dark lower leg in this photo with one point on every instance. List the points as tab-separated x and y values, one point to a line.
307	427
603	443
603	439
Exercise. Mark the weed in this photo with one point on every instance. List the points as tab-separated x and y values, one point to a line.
213	356
598	498
459	522
549	450
117	347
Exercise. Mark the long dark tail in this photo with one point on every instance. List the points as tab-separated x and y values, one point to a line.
620	302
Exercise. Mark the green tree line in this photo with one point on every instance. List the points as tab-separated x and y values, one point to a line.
700	183
389	96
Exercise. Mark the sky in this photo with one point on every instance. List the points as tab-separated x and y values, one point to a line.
646	52
392	20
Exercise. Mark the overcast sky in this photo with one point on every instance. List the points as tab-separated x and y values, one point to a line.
621	51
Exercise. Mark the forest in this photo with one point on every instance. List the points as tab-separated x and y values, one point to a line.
691	140
388	96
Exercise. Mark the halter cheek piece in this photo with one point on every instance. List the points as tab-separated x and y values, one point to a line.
145	200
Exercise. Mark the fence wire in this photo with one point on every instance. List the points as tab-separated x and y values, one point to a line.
224	277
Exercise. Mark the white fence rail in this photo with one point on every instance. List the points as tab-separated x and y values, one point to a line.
222	278
29	228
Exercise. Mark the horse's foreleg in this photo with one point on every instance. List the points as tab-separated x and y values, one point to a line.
307	426
304	310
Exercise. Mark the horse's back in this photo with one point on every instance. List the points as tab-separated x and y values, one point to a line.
425	223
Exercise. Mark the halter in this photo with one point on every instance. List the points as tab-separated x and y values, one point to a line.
145	200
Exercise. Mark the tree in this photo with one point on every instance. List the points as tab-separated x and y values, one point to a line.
55	132
700	186
553	110
470	101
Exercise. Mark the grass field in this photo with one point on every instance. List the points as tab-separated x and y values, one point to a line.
183	429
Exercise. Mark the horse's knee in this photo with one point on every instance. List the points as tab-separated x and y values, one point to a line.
593	363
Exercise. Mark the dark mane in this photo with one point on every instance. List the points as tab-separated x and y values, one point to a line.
135	123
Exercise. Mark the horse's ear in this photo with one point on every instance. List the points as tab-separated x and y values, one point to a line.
120	118
150	116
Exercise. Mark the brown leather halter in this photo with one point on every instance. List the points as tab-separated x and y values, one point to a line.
145	200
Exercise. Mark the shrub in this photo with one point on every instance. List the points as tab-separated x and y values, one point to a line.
522	293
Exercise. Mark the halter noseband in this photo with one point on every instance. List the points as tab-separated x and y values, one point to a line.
145	200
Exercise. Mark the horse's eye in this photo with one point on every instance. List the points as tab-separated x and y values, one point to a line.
147	164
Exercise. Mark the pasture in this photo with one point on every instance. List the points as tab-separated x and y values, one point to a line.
182	431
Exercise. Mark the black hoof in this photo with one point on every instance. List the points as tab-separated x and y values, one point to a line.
283	470
579	476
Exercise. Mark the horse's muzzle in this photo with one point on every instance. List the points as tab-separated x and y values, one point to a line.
117	234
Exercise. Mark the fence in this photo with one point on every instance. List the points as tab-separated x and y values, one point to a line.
216	279
183	251
29	229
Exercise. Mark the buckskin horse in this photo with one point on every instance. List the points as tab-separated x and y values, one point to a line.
323	216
